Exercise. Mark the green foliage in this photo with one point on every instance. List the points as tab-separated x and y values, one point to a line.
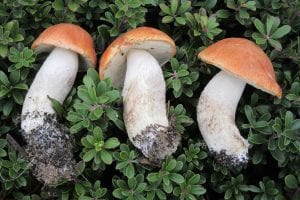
269	32
13	169
175	12
125	160
87	191
202	25
132	189
181	79
98	149
242	9
191	188
168	175
110	167
96	106
9	34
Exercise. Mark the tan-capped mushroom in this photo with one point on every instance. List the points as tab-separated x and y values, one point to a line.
144	91
241	62
49	145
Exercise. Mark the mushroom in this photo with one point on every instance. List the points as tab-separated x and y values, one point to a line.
144	91
241	62
49	146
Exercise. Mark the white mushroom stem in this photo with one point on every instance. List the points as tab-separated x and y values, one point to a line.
144	100
49	145
54	79
216	118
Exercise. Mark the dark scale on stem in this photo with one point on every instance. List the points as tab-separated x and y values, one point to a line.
49	147
157	141
227	160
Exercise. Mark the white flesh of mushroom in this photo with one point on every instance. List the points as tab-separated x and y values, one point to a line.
144	106
216	119
48	144
54	79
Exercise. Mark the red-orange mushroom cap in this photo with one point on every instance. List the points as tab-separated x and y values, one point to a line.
245	60
113	61
241	62
68	36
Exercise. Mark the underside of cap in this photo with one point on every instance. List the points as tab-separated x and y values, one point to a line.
113	61
71	37
245	60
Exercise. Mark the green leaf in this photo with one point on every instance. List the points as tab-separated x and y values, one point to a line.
3	153
184	7
259	26
130	171
176	84
58	5
165	9
106	157
3	50
171	165
249	114
111	114
257	139
132	183
174	6
276	44
153	177
79	189
167	19
7	108
57	106
88	156
177	178
291	181
4	79
278	155
197	190
270	22
111	143
73	6
223	13
280	32
180	20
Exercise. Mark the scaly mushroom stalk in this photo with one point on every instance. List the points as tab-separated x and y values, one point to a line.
145	113
216	118
49	145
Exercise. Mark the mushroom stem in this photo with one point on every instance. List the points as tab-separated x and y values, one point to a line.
216	119
145	113
48	142
54	79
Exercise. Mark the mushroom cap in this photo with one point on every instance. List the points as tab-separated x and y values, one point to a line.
71	37
113	61
244	59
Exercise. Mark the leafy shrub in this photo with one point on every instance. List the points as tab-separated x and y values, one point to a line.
109	166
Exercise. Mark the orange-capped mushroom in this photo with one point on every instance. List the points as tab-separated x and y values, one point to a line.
241	62
133	61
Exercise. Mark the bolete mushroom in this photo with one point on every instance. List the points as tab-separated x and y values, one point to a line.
144	91
241	62
48	144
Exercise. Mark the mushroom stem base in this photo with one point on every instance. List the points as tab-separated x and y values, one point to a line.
49	148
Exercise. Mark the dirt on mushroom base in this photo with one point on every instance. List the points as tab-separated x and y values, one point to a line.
157	141
227	160
49	148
